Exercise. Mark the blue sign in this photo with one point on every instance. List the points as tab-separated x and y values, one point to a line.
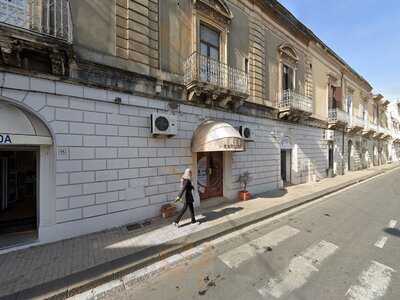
5	139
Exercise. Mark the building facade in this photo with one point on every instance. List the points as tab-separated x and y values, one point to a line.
105	103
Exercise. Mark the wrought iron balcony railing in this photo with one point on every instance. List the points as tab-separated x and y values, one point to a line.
293	100
336	115
385	131
47	17
357	122
373	127
203	69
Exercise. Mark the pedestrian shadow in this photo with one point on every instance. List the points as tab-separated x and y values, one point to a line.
392	231
214	215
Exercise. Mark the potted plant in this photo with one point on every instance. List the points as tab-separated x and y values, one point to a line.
244	179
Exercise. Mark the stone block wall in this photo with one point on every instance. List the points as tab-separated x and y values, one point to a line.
110	171
137	31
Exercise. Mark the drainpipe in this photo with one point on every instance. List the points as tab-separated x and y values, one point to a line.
343	151
341	85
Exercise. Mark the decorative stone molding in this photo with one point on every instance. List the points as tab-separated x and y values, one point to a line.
287	51
215	9
57	63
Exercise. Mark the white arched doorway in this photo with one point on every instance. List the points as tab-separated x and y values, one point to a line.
26	169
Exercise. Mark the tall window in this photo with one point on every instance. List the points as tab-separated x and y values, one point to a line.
365	111
376	113
349	103
287	80
332	97
209	42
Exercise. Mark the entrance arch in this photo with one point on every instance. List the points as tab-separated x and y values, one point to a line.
212	141
27	184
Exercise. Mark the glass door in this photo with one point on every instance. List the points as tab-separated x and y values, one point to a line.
3	184
8	180
210	174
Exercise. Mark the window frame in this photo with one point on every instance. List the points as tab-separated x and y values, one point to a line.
207	43
199	19
283	79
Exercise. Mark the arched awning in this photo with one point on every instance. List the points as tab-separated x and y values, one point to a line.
212	136
19	127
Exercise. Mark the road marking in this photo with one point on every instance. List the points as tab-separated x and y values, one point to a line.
299	270
235	257
373	283
381	242
392	224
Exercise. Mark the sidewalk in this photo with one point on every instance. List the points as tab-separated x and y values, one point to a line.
62	269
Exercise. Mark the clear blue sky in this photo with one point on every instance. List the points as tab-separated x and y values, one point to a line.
365	33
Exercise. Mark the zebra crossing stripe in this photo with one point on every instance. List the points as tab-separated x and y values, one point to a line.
299	270
237	256
373	283
381	242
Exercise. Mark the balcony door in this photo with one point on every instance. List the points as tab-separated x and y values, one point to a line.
210	55
287	78
332	97
349	104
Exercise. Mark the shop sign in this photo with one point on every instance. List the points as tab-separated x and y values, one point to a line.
231	144
5	139
285	143
227	144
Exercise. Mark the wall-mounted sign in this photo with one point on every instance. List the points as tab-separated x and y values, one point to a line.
13	12
233	144
62	152
5	139
286	144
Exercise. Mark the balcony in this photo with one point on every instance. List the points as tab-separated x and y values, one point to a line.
293	106
214	79
45	17
396	137
384	133
356	124
367	130
36	36
374	129
337	118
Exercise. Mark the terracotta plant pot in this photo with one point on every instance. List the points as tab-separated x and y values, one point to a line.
244	195
168	210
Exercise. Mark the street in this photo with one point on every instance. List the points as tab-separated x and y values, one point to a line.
343	247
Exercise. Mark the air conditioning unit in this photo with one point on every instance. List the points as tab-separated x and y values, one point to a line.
162	124
245	132
329	135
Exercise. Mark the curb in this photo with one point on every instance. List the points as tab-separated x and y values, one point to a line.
85	280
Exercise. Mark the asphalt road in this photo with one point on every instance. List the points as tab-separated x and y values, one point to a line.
344	247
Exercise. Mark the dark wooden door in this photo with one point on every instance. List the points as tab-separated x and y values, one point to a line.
283	166
210	174
330	156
